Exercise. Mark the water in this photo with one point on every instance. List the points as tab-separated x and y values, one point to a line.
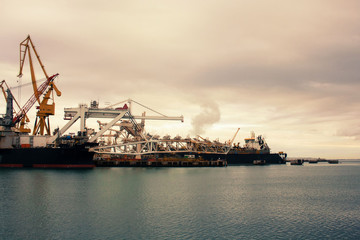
317	201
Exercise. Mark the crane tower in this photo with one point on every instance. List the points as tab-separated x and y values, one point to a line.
45	108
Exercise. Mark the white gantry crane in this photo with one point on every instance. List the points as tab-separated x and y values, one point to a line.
133	139
84	112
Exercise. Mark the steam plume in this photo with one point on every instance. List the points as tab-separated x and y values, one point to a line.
209	115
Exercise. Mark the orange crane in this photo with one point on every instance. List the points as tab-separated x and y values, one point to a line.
45	109
23	111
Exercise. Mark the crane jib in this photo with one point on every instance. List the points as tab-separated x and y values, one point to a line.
41	89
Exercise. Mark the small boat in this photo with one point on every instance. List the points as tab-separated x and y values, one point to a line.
297	162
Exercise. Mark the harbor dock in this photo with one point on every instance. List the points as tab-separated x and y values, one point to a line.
159	163
311	161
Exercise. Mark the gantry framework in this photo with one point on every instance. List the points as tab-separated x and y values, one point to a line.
83	112
130	137
165	145
154	145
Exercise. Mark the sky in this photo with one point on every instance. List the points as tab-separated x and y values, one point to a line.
287	70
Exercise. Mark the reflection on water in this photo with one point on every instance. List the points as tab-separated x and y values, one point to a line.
239	202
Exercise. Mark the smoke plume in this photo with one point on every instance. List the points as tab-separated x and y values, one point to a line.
209	115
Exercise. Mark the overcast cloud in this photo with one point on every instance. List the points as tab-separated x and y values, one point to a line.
289	70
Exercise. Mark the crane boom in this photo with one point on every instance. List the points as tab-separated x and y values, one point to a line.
25	47
33	99
45	109
232	140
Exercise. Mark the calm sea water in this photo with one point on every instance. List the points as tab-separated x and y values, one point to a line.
319	201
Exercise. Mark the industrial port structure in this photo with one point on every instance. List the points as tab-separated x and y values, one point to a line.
120	142
129	138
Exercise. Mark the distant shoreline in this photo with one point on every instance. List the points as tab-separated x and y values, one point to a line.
323	159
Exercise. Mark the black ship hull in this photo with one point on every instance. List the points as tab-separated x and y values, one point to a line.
269	158
47	157
246	158
232	158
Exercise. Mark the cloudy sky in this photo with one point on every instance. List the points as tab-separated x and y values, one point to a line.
289	70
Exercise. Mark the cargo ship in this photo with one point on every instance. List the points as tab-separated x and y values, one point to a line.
254	151
19	149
